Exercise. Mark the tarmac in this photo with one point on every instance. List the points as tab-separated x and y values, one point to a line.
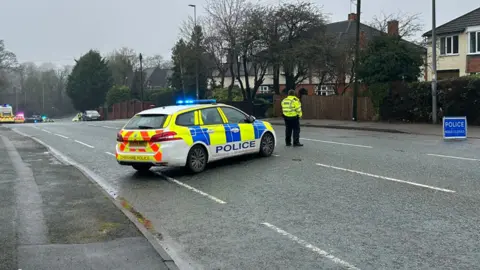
399	127
53	217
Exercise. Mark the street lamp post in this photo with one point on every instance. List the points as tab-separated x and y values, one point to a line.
196	47
357	62
141	78
434	65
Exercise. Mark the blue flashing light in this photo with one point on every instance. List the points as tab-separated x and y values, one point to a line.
200	101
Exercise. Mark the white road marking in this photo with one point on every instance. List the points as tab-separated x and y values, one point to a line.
191	188
59	135
108	153
386	178
461	158
339	143
276	155
46	131
111	127
87	145
311	247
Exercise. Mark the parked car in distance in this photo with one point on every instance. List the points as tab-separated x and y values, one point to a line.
91	115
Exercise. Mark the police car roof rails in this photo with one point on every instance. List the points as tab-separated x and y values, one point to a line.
198	101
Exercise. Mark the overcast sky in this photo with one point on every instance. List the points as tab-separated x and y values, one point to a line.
63	30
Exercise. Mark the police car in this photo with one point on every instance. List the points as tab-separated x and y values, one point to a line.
191	134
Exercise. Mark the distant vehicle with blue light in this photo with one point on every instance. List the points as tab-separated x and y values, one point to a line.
191	134
34	119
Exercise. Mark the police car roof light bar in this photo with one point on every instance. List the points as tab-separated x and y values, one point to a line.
200	101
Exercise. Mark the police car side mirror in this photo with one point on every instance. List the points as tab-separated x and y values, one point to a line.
251	119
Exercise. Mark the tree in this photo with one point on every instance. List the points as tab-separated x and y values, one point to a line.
118	93
185	56
89	81
227	17
302	32
390	59
8	61
121	63
252	51
409	24
155	61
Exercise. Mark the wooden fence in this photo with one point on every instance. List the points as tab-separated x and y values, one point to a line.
124	110
330	107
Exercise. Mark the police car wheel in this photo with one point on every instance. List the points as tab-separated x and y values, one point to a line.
267	145
142	167
197	159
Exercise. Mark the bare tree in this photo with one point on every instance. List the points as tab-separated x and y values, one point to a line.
227	17
409	24
216	48
154	61
8	61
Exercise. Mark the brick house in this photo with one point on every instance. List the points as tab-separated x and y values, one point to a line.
458	47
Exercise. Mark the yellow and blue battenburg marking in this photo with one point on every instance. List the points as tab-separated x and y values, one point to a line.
233	133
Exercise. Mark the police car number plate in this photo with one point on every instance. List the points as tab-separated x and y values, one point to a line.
137	144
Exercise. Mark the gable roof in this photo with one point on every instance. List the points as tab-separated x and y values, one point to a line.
346	31
457	25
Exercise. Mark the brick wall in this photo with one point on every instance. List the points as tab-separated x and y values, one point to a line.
473	63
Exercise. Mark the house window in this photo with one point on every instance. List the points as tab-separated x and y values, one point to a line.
449	45
474	42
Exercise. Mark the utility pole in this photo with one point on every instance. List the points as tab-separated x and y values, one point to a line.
43	98
357	62
141	78
196	47
434	64
16	99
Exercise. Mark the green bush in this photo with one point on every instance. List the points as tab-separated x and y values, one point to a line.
413	102
117	94
221	94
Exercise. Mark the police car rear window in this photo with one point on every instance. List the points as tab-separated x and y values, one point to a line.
146	121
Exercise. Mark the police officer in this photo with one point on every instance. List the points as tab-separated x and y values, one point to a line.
292	112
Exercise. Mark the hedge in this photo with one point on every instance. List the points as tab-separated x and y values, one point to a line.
413	102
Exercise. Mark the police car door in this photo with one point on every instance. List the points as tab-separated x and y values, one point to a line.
239	132
212	122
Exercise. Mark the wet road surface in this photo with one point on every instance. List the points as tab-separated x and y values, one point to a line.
347	200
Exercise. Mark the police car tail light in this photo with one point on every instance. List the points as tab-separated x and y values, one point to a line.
119	137
165	136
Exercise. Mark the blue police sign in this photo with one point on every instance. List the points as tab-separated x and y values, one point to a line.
454	127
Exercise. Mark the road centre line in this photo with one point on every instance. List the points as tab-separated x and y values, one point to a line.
386	178
339	143
453	157
60	135
191	188
311	247
44	130
87	145
110	154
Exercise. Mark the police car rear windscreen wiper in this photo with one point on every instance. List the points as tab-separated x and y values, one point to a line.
145	127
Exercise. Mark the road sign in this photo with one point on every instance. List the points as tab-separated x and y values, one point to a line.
454	127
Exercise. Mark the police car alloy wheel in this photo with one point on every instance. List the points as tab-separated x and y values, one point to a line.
267	145
142	167
197	159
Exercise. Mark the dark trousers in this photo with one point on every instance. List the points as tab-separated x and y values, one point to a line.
292	124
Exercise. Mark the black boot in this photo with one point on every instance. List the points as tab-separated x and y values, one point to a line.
298	144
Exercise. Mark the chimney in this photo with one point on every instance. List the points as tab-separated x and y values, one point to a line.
352	16
393	28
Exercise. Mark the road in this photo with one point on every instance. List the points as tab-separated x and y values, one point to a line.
347	200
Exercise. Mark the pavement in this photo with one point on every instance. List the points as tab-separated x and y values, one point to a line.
397	127
53	217
349	199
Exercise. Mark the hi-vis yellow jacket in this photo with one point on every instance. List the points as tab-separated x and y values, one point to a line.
291	107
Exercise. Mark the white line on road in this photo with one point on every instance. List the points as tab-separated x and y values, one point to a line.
46	131
346	144
87	145
59	135
111	127
461	158
311	247
108	153
386	178
191	188
275	155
